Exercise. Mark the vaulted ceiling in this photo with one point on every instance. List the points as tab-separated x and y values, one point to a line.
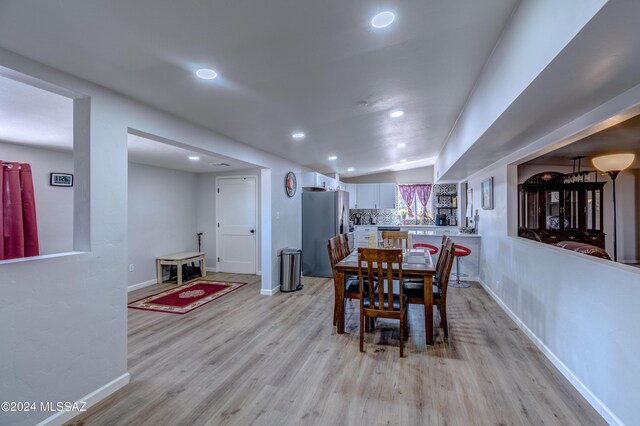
313	66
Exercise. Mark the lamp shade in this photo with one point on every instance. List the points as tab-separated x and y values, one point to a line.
613	162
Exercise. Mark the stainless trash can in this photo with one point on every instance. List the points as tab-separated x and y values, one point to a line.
290	269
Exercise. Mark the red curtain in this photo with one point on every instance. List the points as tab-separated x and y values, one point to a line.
408	193
423	192
19	231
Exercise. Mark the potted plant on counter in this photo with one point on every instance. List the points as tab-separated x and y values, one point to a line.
403	214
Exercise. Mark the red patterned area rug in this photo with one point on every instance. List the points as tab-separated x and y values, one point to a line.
185	298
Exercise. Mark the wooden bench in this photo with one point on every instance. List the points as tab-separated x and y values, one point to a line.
179	259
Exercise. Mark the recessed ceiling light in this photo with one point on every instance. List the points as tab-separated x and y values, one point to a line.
298	135
401	145
383	19
194	158
396	114
350	169
333	157
206	74
403	160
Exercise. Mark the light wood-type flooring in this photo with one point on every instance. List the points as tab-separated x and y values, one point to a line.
247	359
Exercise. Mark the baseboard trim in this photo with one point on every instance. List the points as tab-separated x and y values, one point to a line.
593	400
142	285
271	292
90	400
212	269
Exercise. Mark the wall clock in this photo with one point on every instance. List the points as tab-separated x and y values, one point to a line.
290	184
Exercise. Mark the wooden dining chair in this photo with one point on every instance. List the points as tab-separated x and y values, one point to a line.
381	302
439	263
344	244
335	255
414	290
352	289
395	239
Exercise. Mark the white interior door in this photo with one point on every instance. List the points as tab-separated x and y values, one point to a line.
237	220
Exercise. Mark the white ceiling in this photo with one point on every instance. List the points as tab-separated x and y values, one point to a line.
153	153
35	117
600	62
315	66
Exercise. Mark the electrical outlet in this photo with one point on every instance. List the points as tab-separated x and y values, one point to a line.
131	267
277	215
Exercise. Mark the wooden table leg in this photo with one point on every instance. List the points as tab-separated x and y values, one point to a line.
340	284
428	308
203	267
179	272
158	271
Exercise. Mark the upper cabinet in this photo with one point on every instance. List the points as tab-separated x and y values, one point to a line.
352	189
387	196
317	180
375	196
367	196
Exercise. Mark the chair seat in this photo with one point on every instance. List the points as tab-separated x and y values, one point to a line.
435	281
416	290
396	301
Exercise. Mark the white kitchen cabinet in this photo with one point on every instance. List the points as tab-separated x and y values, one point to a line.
387	196
375	196
318	180
367	196
362	235
352	189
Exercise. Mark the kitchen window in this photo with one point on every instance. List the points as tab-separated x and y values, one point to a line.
417	214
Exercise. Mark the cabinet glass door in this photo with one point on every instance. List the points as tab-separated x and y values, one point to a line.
552	209
571	209
530	210
593	212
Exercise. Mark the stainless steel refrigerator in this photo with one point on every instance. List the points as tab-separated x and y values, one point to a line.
324	215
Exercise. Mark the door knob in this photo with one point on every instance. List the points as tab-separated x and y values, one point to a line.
253	231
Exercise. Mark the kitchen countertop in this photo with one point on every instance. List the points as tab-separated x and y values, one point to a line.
439	232
427	230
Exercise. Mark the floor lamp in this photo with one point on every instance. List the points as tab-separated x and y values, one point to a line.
614	164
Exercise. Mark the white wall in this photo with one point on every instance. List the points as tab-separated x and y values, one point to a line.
54	205
581	311
64	334
64	326
536	34
162	217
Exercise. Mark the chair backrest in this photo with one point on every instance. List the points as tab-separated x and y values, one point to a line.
335	250
442	257
378	263
445	272
395	239
344	244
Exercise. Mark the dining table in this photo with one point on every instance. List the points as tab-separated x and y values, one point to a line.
415	271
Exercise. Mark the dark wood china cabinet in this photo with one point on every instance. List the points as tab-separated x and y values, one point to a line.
555	207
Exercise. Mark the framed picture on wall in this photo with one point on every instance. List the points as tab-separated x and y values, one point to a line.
487	194
61	179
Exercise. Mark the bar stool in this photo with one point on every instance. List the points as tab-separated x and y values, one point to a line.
459	251
430	248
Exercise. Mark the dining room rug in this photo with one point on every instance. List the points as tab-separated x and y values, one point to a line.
186	298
